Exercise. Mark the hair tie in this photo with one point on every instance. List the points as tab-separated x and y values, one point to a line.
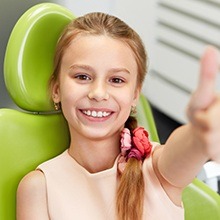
134	145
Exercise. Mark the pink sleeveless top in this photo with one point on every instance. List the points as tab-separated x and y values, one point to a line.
75	194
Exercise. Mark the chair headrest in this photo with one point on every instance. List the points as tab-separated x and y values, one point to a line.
29	55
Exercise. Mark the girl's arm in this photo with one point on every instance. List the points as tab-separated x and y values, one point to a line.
31	197
190	146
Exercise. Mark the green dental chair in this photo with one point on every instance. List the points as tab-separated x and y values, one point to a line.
36	133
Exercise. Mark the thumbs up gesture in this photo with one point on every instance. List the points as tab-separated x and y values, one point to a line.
204	107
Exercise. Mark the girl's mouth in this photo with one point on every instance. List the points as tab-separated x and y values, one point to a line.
96	114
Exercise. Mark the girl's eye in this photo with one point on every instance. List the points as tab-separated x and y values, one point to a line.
117	80
82	77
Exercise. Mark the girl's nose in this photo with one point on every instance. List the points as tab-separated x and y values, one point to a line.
98	92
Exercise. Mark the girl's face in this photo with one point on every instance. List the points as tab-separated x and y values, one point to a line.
97	86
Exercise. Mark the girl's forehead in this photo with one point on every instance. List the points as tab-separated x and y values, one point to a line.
97	38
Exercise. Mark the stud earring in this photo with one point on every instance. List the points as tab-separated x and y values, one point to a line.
133	110
57	106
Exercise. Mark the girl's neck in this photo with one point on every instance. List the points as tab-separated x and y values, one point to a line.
95	156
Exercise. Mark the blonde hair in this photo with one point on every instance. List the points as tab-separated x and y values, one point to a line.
129	198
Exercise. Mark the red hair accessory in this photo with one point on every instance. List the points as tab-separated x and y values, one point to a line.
136	145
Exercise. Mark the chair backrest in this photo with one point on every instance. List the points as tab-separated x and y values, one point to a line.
35	134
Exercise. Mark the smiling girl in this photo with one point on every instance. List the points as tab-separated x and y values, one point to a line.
111	170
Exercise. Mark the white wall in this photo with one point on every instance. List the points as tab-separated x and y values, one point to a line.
183	29
81	7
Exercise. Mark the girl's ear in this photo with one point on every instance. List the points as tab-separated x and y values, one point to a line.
136	96
56	92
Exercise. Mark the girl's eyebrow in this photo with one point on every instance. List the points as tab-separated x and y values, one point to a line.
116	70
89	68
81	66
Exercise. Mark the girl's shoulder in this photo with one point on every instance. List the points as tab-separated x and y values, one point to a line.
32	181
31	196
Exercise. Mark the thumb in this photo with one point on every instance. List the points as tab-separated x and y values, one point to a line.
205	92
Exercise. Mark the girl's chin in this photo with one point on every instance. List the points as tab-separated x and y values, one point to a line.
99	133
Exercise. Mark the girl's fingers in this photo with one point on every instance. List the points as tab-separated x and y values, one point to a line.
204	94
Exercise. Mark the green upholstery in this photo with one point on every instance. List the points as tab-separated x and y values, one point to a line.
29	55
26	141
35	133
145	118
201	202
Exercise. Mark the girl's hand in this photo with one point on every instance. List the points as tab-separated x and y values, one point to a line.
204	107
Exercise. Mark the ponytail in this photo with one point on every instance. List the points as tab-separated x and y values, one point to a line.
130	192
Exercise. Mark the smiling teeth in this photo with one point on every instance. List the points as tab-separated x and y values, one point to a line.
96	114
